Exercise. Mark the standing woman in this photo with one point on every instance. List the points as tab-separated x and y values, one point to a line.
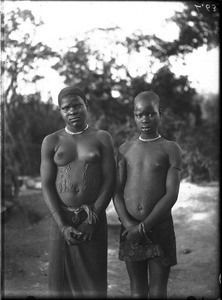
78	175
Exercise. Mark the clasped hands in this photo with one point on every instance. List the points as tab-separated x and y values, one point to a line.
76	236
132	232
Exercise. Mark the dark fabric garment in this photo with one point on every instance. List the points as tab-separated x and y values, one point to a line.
78	271
163	244
72	90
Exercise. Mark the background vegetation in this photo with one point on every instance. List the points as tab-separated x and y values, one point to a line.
189	118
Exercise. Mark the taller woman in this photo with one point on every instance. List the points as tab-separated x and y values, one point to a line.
78	176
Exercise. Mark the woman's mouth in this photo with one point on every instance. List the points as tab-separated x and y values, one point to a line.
74	119
145	128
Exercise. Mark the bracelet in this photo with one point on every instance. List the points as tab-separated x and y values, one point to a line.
64	227
92	217
95	216
142	229
143	233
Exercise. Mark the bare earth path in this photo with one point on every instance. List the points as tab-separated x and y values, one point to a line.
25	241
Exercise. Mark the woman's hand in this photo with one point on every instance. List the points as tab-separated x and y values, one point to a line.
132	234
72	235
86	230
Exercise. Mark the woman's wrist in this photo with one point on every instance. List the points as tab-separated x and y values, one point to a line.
63	229
142	230
58	219
53	212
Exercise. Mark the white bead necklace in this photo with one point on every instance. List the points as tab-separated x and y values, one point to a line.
74	133
149	140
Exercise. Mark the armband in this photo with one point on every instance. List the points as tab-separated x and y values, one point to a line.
54	212
179	169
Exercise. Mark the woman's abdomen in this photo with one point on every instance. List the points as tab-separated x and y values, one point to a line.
142	194
79	183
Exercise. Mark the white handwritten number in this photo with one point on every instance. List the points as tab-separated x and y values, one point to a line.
208	7
197	7
214	7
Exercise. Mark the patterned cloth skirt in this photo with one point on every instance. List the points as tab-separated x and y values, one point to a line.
161	243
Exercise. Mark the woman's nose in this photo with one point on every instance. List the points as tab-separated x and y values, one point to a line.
72	110
145	119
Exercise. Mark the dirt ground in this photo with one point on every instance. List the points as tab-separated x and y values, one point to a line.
25	240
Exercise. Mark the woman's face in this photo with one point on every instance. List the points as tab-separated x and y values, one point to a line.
147	116
73	111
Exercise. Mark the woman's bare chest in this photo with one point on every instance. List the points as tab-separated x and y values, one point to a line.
71	151
147	160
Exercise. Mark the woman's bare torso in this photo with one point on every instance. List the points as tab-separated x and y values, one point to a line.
79	172
146	170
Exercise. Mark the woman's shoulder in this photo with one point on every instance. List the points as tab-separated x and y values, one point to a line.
100	132
52	138
126	146
102	135
171	146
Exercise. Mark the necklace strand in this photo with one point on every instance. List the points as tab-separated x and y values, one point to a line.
149	140
75	133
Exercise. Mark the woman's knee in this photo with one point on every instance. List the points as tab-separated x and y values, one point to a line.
159	276
139	288
157	292
139	285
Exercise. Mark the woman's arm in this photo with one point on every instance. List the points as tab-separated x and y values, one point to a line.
118	201
172	187
108	172
48	172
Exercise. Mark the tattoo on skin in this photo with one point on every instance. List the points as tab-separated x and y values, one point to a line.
63	180
90	175
84	176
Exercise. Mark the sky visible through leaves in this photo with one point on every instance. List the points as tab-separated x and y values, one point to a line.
64	20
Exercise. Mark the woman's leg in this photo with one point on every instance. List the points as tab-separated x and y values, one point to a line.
138	274
158	279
